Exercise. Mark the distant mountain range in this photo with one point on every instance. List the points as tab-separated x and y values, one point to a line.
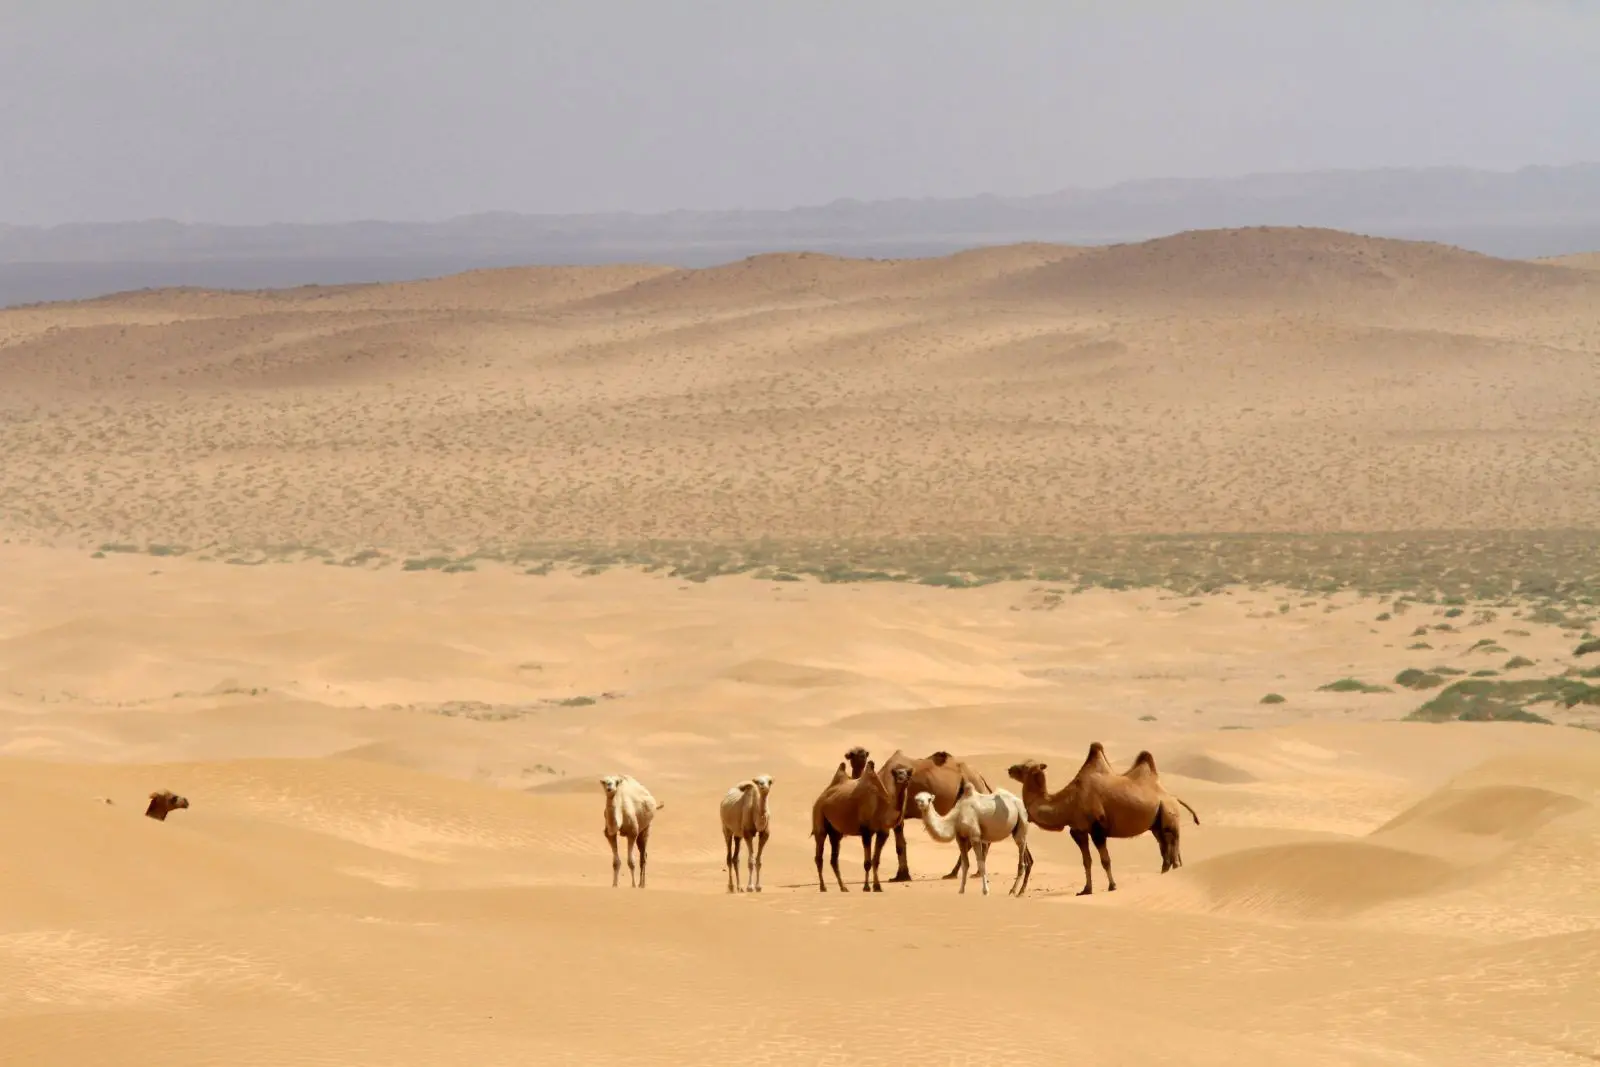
1535	211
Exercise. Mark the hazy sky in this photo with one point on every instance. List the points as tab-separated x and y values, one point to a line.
319	110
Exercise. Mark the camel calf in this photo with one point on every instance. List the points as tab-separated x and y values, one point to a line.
163	801
744	819
630	809
974	822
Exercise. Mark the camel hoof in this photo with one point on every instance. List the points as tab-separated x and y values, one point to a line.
1084	892
901	876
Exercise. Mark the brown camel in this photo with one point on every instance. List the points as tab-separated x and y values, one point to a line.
940	774
1099	804
164	801
868	806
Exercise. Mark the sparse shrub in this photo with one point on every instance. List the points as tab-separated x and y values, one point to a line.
1352	685
1147	718
1586	648
1384	617
1412	678
1453	613
1417	646
1486	672
1273	698
1518	662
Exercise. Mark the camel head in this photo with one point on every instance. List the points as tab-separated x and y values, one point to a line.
611	783
923	801
1028	770
763	783
163	801
899	781
857	758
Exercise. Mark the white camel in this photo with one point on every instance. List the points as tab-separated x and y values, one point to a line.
630	809
975	822
744	819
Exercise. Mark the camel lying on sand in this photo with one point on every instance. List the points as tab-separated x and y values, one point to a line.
977	820
868	806
630	809
1099	804
744	819
940	774
163	801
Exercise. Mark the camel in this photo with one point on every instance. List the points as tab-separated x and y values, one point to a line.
868	806
977	820
744	818
163	801
630	809
940	774
1099	804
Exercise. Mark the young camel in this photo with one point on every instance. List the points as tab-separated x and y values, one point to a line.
630	809
940	774
1099	804
869	807
977	820
163	801
744	818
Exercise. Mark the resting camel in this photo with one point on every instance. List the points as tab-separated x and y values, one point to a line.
744	818
868	806
940	774
162	802
1099	804
976	821
630	809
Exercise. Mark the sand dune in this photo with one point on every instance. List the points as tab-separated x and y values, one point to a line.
383	578
1289	380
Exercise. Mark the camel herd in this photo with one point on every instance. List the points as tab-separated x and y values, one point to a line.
951	799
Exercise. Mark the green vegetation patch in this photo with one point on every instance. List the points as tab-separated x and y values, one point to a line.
1502	700
1352	685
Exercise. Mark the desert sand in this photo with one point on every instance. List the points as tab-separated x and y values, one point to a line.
384	578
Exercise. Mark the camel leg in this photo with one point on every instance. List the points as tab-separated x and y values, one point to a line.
761	851
834	838
877	859
961	861
1081	839
732	861
1098	832
822	886
953	870
616	860
644	844
750	862
982	849
1023	866
633	879
902	869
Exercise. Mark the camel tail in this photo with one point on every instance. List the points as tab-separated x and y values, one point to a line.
1185	803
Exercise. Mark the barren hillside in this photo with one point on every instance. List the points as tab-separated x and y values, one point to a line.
1265	380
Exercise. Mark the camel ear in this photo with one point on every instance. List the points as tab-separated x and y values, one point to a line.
1040	766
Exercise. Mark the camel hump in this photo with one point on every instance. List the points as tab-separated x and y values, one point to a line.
1144	759
940	758
1096	759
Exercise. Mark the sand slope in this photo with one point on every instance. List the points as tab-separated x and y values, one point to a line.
394	855
1266	379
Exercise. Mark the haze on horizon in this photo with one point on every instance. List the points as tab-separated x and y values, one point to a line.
407	112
